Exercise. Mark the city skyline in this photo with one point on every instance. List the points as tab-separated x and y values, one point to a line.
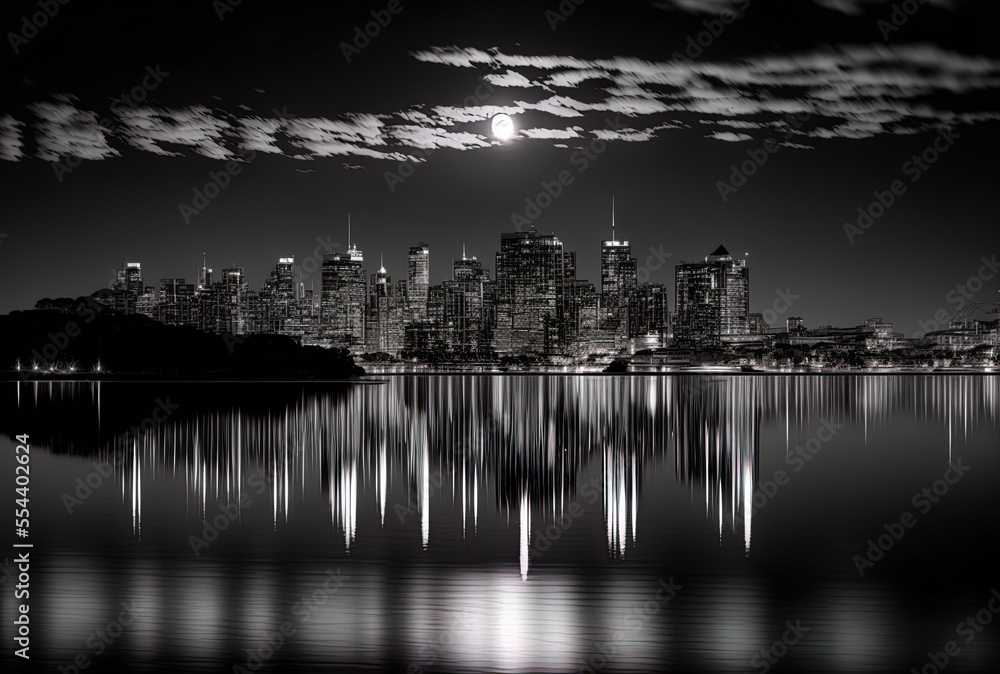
461	336
964	302
849	151
534	305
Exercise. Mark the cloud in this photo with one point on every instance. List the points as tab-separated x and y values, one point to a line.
698	6
434	138
730	136
195	127
66	131
10	138
850	92
508	79
551	133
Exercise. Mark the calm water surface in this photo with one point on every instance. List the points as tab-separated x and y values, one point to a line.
511	523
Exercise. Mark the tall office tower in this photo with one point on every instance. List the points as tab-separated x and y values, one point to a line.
648	313
618	280
231	299
285	277
471	305
133	278
257	316
401	292
384	331
582	319
175	304
531	280
712	298
128	288
380	286
417	281
343	298
437	333
147	302
278	298
204	274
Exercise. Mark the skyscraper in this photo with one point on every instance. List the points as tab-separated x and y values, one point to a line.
231	300
278	298
648	313
712	298
176	302
204	274
472	305
128	287
343	298
417	281
618	282
384	331
531	280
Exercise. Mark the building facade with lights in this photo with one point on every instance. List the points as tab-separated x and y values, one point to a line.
712	299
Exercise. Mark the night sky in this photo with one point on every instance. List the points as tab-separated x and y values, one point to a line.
604	95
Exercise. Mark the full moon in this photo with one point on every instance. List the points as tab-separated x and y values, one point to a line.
503	126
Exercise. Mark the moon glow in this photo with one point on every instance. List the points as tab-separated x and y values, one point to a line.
502	126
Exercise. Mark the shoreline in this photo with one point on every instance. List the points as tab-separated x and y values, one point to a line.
380	377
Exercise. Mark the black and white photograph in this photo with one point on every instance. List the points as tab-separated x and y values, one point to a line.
564	336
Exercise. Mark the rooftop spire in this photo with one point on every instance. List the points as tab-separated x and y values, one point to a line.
612	217
463	250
